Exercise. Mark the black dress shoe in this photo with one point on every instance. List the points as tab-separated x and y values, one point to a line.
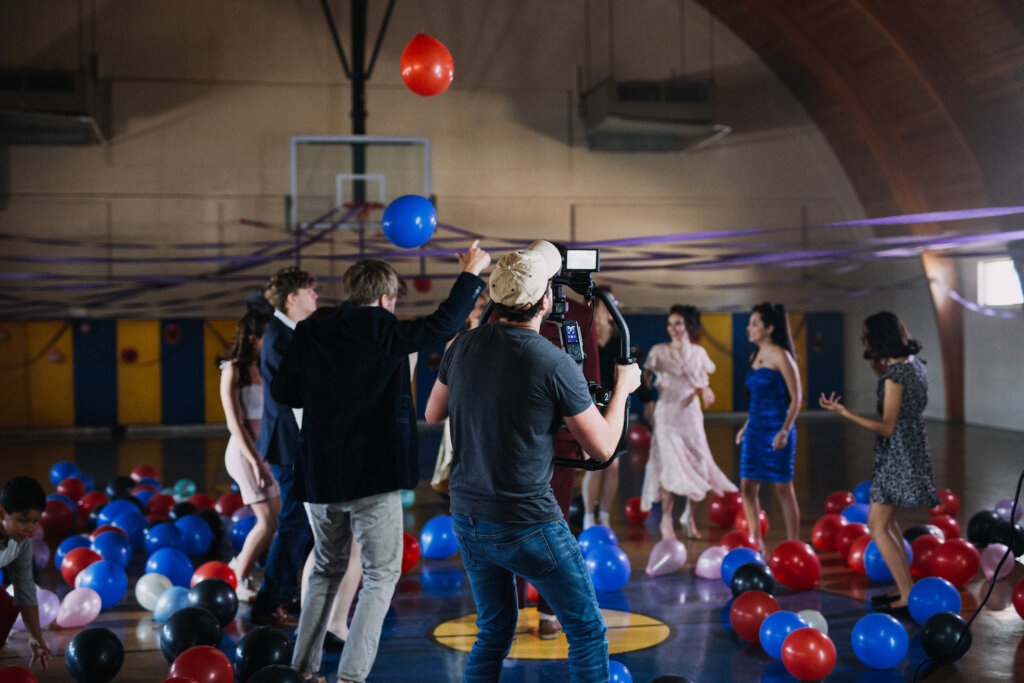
884	599
293	606
332	643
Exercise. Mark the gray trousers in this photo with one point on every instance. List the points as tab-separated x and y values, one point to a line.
376	523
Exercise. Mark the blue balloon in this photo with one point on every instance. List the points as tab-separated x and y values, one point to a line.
618	672
932	595
736	558
173	564
163	535
595	536
874	563
409	221
408	498
240	531
776	627
148	480
437	540
114	509
61	471
196	536
87	480
67	545
856	512
880	641
133	524
608	566
113	547
144	495
67	501
169	602
106	578
862	494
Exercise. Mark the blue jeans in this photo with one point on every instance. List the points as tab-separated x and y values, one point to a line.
287	553
547	556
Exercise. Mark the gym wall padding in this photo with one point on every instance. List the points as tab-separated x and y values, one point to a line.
183	390
95	374
14	405
50	383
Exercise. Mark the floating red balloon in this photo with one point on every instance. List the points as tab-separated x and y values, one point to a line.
72	487
228	503
749	611
203	664
140	472
1018	598
58	519
740	522
214	570
949	504
949	526
75	561
633	512
956	561
808	654
427	66
722	509
826	530
838	501
795	565
639	436
410	552
847	535
738	539
855	558
201	501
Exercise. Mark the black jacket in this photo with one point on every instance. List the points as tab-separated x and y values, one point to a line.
279	433
350	374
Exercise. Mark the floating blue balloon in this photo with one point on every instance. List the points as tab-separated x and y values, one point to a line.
173	564
862	493
875	566
113	547
408	498
736	558
776	627
880	641
67	501
61	471
196	536
133	524
67	545
240	531
115	509
932	595
169	602
409	221
618	673
608	566
856	512
163	535
106	578
595	536
437	540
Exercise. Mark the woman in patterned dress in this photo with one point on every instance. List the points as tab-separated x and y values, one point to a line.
902	473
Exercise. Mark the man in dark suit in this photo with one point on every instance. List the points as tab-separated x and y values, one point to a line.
350	374
291	292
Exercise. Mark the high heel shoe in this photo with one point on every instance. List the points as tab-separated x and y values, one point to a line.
689	526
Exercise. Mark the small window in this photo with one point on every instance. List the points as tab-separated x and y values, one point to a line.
998	284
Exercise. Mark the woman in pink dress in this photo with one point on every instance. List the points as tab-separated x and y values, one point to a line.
680	462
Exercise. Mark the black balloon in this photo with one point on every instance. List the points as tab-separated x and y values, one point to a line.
95	656
119	485
1010	535
576	511
182	509
276	673
188	627
752	576
217	596
922	529
261	648
215	523
979	528
94	518
940	634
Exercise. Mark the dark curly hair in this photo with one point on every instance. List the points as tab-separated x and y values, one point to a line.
886	337
774	315
691	319
242	352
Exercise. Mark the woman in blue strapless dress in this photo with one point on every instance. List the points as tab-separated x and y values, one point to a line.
768	437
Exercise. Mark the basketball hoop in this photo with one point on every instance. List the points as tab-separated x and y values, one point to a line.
363	209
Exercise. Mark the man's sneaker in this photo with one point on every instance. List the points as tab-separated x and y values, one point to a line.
549	629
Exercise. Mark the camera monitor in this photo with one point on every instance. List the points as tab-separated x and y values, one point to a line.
582	260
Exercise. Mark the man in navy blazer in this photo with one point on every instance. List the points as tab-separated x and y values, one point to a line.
350	373
291	292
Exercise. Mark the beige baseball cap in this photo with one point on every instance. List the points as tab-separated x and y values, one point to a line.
521	277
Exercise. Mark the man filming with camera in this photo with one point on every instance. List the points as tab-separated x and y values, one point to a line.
506	389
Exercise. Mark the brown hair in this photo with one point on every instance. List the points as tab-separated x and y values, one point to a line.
284	282
368	280
242	352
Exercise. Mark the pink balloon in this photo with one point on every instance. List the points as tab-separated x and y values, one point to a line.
79	608
990	557
667	556
48	603
709	564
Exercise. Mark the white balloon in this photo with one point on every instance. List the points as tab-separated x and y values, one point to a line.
149	588
709	564
814	619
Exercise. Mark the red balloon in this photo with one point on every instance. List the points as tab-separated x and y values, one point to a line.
740	521
422	284
838	501
410	552
72	487
228	503
633	512
748	611
949	504
531	593
90	501
738	539
956	561
105	528
808	654
847	535
57	519
795	565
949	526
1018	598
923	548
144	487
160	505
17	674
140	472
639	436
75	561
722	509
825	531
201	501
427	66
855	558
214	570
203	664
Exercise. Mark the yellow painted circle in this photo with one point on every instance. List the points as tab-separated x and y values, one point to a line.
626	632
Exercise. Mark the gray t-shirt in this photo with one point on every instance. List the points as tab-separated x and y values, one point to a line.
509	388
16	560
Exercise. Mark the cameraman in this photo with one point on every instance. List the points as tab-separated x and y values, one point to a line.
507	389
